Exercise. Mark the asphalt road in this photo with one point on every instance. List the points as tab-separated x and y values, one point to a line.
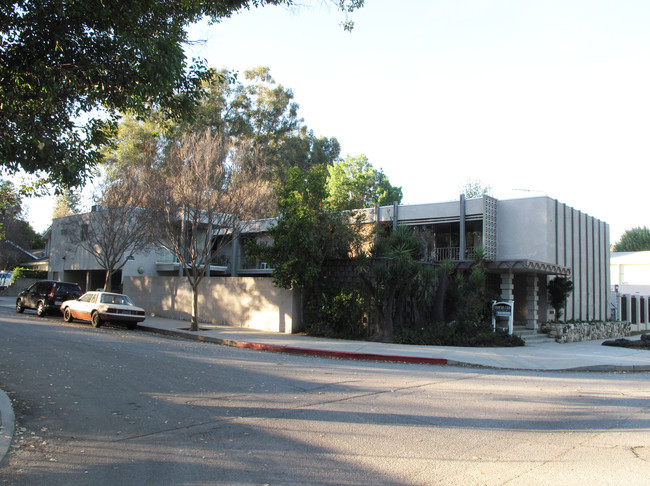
115	407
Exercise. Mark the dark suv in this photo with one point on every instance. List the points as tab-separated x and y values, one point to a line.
46	296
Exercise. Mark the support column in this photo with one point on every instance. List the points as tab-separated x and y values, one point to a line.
462	242
234	260
627	315
532	296
507	287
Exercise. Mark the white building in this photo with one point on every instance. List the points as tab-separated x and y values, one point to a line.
631	287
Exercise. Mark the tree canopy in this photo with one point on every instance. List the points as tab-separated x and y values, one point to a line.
307	232
257	117
354	183
475	188
68	69
635	239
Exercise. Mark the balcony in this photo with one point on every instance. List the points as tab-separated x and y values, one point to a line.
451	253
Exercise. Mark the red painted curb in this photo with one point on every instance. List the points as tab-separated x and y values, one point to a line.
338	354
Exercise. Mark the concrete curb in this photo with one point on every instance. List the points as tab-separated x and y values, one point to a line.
7	424
324	353
275	348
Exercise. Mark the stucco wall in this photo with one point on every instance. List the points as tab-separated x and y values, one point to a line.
252	302
524	230
544	230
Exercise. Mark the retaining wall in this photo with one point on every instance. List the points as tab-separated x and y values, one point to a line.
586	331
252	302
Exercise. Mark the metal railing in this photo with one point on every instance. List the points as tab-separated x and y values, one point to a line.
451	253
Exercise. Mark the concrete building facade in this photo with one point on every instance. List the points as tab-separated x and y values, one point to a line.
525	243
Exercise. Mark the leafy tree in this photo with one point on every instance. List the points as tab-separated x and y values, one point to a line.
257	117
307	232
354	183
67	69
260	118
196	192
559	290
635	239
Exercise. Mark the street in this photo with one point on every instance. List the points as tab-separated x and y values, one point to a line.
115	407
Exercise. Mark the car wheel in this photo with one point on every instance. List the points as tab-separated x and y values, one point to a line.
96	320
20	308
40	309
67	315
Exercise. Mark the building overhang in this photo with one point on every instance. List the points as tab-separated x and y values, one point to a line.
517	266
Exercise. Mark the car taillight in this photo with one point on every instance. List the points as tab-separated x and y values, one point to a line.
52	291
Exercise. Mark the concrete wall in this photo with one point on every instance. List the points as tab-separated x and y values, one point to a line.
630	268
19	284
524	230
252	302
70	262
545	230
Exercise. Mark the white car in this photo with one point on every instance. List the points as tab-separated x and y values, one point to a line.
101	307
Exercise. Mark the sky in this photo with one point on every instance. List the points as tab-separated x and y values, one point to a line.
530	97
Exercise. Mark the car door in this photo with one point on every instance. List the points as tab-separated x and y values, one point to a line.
82	308
33	295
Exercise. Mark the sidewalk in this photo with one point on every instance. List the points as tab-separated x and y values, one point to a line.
550	356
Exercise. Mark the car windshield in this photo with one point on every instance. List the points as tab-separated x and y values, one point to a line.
115	299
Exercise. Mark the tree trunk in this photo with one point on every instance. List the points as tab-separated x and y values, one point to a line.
195	309
107	280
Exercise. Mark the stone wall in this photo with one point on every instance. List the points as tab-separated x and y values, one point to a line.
585	331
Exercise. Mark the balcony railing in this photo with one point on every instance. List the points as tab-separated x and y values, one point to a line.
451	253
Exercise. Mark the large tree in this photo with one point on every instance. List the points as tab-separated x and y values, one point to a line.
258	119
353	183
68	68
635	239
202	202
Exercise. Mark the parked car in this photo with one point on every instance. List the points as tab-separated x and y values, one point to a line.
5	279
101	307
46	296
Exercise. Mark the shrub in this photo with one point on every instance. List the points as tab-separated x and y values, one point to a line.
456	334
21	272
336	313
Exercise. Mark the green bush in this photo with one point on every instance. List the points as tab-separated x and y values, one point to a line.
21	272
457	334
336	313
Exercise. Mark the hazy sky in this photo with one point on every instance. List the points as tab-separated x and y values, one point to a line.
531	97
